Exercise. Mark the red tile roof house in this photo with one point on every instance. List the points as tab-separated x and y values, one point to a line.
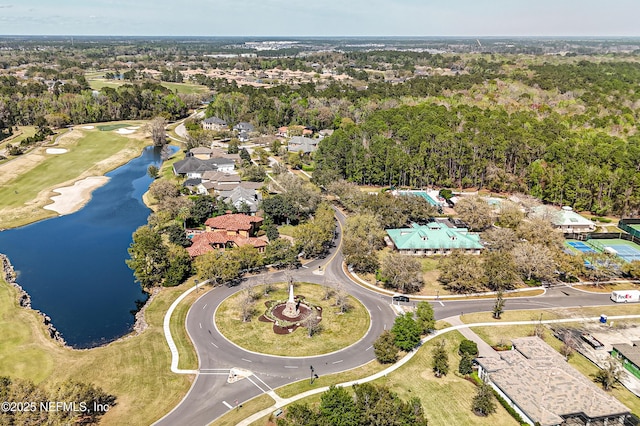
228	231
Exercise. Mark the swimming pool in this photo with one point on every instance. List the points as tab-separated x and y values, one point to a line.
422	194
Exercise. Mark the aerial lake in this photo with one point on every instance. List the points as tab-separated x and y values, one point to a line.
73	266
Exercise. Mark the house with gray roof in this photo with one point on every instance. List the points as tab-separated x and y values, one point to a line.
239	196
302	144
244	126
539	384
434	238
214	123
193	167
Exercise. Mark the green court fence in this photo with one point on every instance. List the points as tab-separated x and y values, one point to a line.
624	224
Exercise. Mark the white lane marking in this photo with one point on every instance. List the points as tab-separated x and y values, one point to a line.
337	362
379	308
305	266
256	385
205	305
440	301
227	404
368	348
200	325
244	359
290	366
263	382
214	344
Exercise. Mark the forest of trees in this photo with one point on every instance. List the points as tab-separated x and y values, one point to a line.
466	146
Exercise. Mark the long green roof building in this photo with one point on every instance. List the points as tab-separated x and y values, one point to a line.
434	239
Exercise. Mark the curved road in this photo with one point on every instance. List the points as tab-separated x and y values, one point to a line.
211	396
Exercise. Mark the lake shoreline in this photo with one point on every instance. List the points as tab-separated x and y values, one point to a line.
24	301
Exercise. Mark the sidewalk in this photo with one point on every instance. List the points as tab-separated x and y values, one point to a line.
484	349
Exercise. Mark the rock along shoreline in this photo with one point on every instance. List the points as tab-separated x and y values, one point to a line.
24	300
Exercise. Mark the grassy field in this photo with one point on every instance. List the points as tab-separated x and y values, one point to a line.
366	370
97	82
27	181
259	336
110	127
17	137
135	369
446	401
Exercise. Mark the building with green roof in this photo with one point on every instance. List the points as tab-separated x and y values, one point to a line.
434	239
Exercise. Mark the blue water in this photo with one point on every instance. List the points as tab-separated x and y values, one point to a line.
74	266
422	194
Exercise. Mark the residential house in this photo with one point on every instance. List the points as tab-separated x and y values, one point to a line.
193	167
243	136
243	126
220	240
283	132
235	224
302	144
629	356
201	152
565	219
433	239
325	133
228	231
214	123
539	384
240	196
221	153
213	181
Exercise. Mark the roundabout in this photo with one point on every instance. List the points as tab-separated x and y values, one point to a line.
335	323
211	395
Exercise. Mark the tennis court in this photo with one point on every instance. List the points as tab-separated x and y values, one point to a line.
626	250
580	246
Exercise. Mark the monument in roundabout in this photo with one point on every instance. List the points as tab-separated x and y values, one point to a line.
288	315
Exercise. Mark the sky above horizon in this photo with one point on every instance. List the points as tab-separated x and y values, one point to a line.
321	18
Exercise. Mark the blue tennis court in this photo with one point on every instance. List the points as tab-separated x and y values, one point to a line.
579	245
628	253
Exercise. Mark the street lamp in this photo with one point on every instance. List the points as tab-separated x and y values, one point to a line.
312	374
196	284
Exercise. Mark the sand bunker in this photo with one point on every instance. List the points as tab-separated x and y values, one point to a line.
56	150
88	127
72	198
125	131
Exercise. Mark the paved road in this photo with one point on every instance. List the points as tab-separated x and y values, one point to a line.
211	396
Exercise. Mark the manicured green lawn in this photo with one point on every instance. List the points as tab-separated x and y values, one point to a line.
96	82
135	369
339	330
89	154
110	127
447	400
332	379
